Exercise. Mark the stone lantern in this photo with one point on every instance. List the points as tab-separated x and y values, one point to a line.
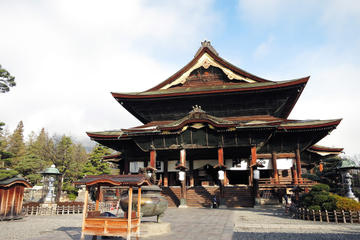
344	168
50	176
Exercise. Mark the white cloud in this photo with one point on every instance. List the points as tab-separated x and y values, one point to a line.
264	48
68	55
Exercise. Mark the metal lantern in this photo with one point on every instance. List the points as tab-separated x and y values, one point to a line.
49	178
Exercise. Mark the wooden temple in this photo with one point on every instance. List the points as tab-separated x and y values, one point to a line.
211	124
11	197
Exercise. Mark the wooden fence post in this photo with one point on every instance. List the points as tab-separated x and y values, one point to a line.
314	215
351	216
343	215
335	216
358	215
320	216
307	214
303	211
327	216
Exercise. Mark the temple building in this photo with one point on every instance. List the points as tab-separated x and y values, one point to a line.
210	125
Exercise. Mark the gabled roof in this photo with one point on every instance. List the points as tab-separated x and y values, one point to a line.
207	56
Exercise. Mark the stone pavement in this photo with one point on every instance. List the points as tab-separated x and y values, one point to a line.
193	223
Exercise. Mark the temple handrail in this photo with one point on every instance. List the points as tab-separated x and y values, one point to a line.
273	181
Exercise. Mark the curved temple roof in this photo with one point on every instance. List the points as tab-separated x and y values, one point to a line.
114	180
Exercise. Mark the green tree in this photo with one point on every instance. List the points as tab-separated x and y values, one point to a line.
6	80
16	145
95	165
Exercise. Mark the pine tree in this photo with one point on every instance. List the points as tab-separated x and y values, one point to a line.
16	145
95	164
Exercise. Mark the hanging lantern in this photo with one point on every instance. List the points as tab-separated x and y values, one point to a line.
181	175
221	175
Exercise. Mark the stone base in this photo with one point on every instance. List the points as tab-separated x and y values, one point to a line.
148	229
183	203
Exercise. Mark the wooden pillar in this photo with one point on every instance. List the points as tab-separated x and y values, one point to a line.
84	213
166	174
221	156
321	166
226	179
294	175
252	162
138	212
97	198
128	235
191	165
153	158
183	183
298	164
275	170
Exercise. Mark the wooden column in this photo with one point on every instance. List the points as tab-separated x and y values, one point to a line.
153	158
166	174
128	235
252	162
84	213
321	166
191	165
226	179
221	156
275	170
138	212
97	198
298	164
183	183
294	175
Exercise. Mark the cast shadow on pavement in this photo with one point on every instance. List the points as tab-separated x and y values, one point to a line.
302	236
74	233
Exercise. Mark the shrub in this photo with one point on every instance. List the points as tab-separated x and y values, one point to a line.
315	207
320	188
347	204
319	198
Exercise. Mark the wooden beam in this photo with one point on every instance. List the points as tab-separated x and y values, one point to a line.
128	235
84	214
152	158
278	155
275	170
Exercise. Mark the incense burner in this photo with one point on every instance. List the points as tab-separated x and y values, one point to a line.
152	203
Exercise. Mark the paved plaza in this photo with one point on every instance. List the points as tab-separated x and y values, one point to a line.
193	223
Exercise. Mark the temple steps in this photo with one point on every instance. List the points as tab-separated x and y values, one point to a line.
202	196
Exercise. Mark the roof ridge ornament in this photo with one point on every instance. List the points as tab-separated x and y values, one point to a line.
206	44
197	109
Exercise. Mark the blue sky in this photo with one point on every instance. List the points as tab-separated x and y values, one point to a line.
68	55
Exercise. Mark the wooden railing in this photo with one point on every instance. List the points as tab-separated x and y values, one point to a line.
264	182
336	216
61	210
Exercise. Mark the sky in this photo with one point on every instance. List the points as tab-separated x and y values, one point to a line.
68	55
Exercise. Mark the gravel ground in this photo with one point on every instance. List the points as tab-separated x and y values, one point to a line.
193	223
